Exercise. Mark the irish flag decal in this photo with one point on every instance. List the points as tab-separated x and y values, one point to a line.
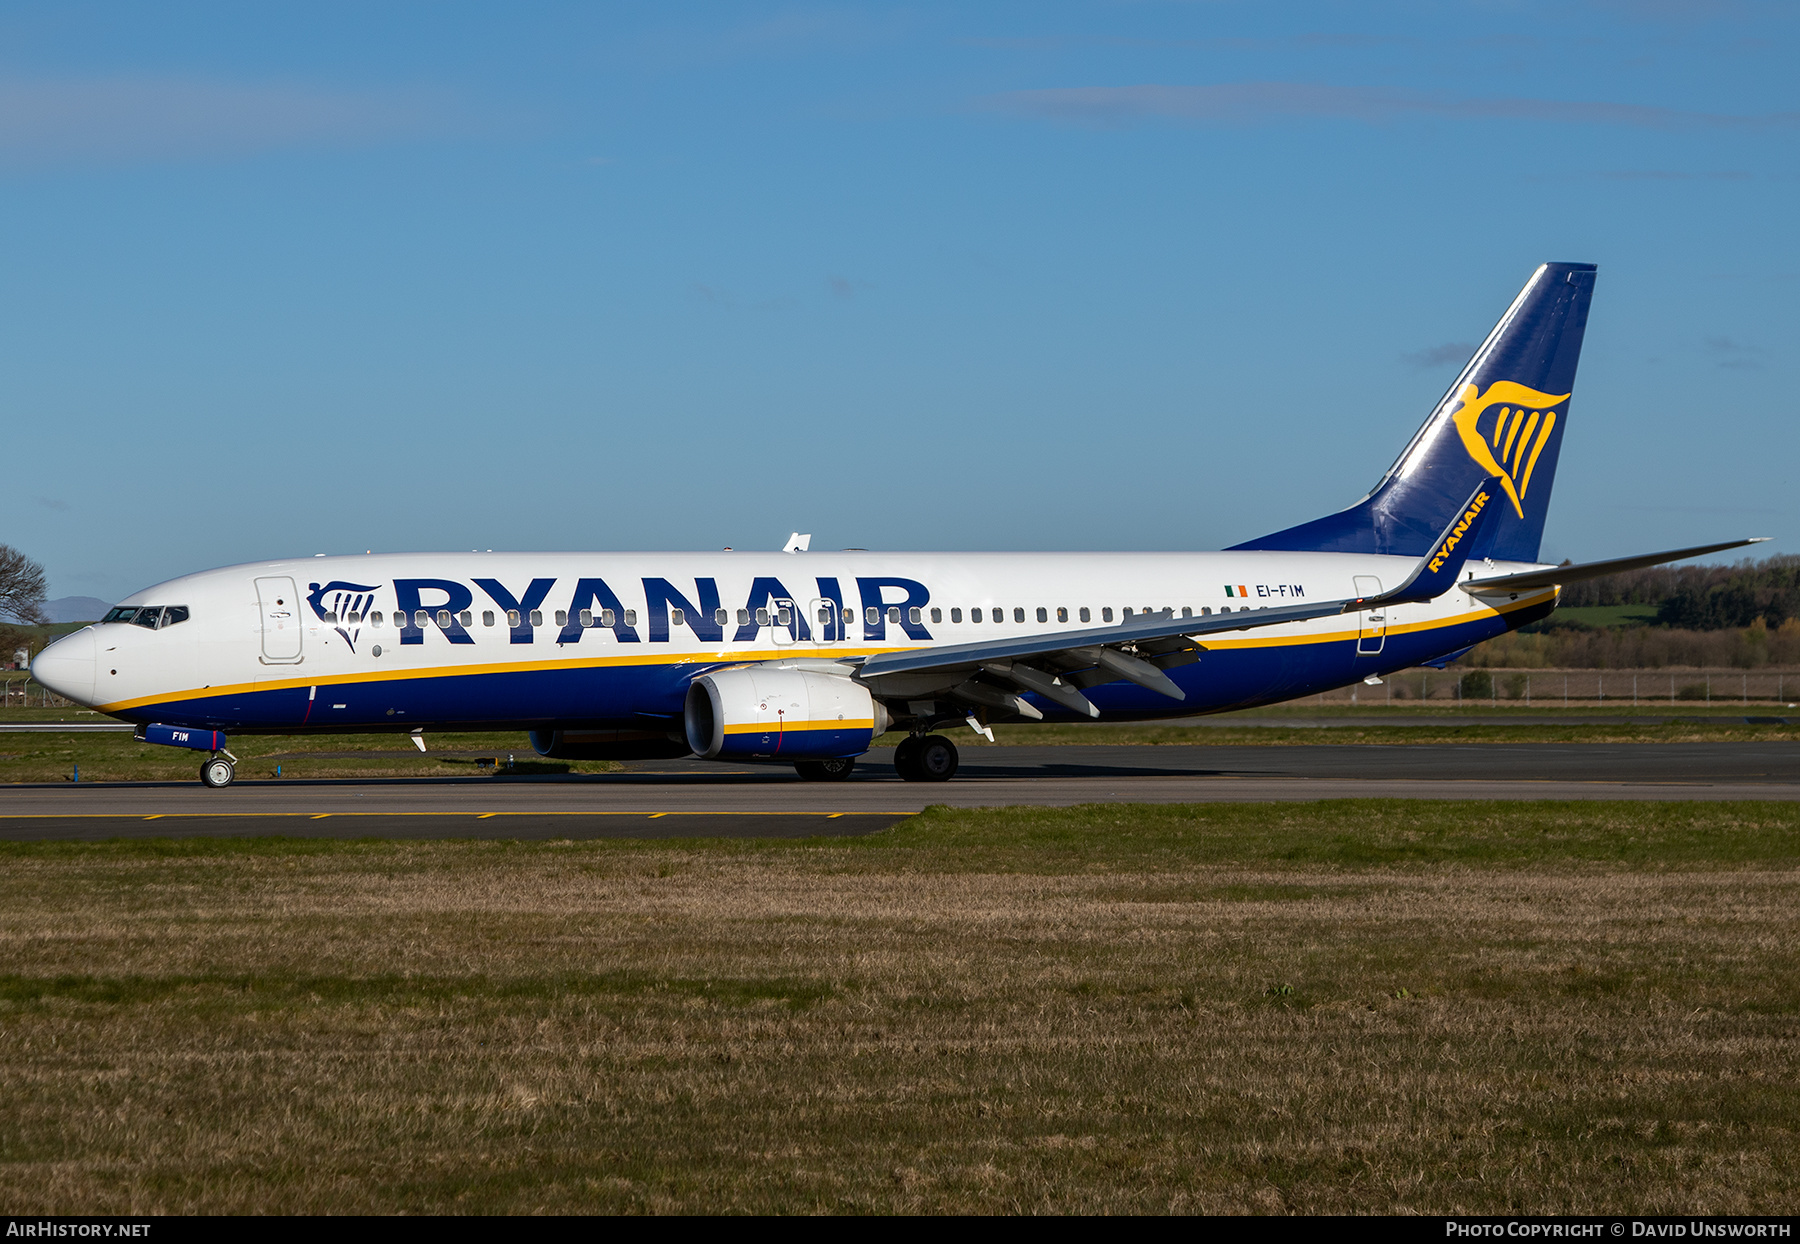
1241	590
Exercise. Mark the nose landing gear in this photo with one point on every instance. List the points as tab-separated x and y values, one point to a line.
926	758
218	771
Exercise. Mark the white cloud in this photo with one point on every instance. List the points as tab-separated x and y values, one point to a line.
1240	103
130	119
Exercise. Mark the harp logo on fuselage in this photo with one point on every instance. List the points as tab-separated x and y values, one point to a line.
1519	431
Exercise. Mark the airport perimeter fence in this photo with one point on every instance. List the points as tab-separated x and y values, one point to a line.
25	692
1540	688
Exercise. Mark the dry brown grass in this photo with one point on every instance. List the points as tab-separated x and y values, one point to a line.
960	1016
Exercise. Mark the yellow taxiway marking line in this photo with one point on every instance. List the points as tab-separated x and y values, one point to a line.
320	816
834	816
157	817
654	815
484	816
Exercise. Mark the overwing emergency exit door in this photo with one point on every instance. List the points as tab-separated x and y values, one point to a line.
280	610
827	624
1371	624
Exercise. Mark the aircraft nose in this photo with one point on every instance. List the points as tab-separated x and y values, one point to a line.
67	666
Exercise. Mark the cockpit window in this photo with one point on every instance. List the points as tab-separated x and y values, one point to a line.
150	617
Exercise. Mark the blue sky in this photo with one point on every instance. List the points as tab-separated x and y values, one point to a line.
285	279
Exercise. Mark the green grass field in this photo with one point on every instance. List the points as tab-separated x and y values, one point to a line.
1335	1007
1606	615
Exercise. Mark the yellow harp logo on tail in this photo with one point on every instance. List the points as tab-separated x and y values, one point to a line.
1521	428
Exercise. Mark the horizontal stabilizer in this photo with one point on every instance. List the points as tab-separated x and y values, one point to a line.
1558	575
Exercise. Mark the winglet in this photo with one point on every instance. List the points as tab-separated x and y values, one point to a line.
1437	570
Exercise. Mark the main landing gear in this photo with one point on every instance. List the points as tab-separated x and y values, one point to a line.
926	758
825	770
218	771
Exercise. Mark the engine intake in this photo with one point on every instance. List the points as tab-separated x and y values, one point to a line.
766	712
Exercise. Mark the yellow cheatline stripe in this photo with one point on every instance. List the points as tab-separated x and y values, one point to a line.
1543	437
864	723
503	667
512	667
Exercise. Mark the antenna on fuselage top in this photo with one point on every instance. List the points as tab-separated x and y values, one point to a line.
797	543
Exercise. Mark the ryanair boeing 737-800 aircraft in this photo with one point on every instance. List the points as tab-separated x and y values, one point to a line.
805	658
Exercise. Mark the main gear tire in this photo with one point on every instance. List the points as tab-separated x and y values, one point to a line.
936	759
906	758
835	770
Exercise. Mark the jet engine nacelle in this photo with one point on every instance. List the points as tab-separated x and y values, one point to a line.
770	713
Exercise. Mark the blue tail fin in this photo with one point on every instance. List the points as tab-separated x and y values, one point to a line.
1503	418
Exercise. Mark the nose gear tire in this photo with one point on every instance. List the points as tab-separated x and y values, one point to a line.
217	773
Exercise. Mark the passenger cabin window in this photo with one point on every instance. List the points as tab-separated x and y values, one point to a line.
1043	614
631	617
676	617
1086	616
914	616
956	615
375	618
562	617
762	617
1106	614
784	616
512	617
824	616
721	617
587	617
1127	611
1062	615
487	617
329	617
1205	610
1186	612
421	619
894	613
467	619
743	617
871	616
937	615
443	619
537	617
608	617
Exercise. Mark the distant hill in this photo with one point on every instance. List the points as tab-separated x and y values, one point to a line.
75	609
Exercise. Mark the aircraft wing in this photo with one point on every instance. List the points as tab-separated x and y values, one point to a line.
1060	665
1558	575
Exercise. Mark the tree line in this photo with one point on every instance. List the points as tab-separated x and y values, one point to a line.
1702	598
